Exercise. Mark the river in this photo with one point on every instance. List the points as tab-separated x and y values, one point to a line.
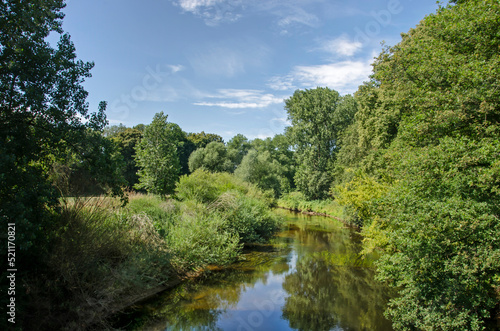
310	277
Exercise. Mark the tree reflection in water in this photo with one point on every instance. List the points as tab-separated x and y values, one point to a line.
313	264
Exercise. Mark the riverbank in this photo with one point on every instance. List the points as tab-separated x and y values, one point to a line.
100	257
296	202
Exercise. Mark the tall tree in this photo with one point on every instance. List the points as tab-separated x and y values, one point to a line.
427	132
126	141
156	156
237	148
317	119
42	103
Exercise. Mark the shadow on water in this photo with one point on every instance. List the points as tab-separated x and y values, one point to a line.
310	277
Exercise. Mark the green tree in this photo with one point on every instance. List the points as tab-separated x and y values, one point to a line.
213	157
237	148
126	141
260	169
42	102
202	139
112	131
426	133
318	116
156	156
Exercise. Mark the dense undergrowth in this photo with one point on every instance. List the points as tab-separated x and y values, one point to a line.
101	255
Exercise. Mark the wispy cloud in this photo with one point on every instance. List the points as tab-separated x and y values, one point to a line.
281	83
241	99
341	46
343	76
230	58
288	12
213	11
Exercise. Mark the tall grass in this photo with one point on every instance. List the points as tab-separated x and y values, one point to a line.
98	255
97	260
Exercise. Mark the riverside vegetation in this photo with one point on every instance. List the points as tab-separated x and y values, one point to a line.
412	159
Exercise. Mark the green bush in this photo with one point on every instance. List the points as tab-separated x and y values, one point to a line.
248	217
201	238
206	187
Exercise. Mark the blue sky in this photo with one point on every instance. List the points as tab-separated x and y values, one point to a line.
225	66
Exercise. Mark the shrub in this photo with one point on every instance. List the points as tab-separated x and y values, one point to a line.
249	217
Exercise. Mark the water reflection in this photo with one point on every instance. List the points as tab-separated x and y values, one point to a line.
310	278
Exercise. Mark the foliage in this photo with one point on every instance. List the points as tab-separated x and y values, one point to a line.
205	187
244	207
213	157
200	238
296	201
237	148
266	173
126	141
280	151
202	139
156	156
97	260
317	116
247	216
358	197
112	131
42	104
426	143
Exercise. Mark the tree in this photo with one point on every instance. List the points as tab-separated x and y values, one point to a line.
42	103
260	169
126	141
202	139
213	158
114	130
317	116
427	132
156	156
237	148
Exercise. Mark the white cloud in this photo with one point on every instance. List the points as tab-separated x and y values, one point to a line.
213	11
343	76
176	68
288	12
281	83
341	46
194	5
297	15
241	99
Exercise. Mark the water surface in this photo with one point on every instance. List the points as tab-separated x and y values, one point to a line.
309	278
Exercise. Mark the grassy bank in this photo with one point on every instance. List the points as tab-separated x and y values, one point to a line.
99	256
297	202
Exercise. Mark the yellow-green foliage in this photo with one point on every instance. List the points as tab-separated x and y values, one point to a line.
297	201
358	195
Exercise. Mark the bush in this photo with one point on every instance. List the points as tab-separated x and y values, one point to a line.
201	238
248	217
206	187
